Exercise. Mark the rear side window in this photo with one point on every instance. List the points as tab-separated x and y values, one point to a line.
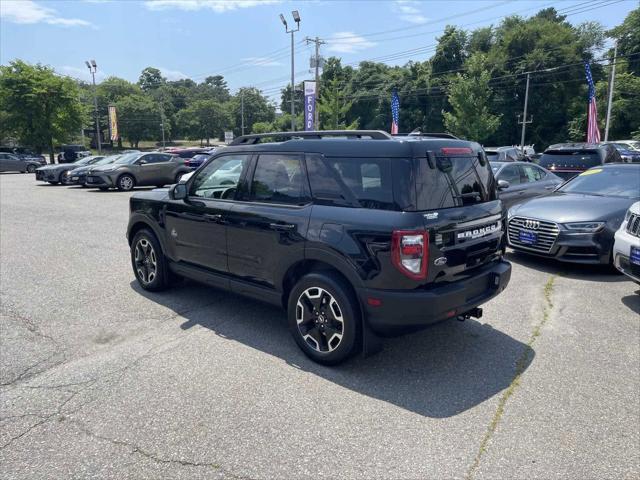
532	173
376	183
511	174
453	182
278	179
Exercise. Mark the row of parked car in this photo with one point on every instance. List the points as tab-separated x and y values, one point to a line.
126	170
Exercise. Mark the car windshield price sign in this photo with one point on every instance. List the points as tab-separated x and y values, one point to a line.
309	105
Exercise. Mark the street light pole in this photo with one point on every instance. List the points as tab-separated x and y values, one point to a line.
613	79
242	111
296	18
93	68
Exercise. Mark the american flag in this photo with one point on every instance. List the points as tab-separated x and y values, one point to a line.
395	112
593	133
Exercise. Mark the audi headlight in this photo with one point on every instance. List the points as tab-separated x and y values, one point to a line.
584	227
511	213
627	215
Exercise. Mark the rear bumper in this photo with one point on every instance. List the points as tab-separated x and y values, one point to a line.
405	310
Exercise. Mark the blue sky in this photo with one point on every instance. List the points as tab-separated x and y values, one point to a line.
244	39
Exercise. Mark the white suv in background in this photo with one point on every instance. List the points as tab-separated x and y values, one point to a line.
626	249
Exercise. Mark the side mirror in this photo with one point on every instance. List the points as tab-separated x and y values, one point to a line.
178	191
142	162
503	185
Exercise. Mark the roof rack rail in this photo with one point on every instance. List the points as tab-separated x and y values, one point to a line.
312	134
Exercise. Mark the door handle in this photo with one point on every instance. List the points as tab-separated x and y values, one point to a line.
282	227
217	218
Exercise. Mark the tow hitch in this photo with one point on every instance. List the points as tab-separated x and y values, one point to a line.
473	313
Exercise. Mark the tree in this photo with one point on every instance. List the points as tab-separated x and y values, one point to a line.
210	118
333	108
138	118
628	37
150	79
42	107
256	109
469	96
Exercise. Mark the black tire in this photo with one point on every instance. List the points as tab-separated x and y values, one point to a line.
31	168
142	261
315	342
53	183
64	178
125	182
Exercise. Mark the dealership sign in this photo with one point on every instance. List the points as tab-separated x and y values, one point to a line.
113	123
309	105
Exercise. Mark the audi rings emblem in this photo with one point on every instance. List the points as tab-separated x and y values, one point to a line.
532	224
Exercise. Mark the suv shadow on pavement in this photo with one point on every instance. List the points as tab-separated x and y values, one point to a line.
439	372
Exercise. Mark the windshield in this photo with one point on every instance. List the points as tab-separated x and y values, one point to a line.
129	158
614	182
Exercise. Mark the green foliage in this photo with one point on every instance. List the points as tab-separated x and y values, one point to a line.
205	119
150	79
256	109
628	37
138	118
41	107
333	108
469	96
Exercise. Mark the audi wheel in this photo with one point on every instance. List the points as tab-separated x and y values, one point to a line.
324	318
148	261
31	168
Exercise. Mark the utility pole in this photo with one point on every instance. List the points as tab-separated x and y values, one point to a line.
162	125
524	113
242	111
93	68
611	84
296	18
318	42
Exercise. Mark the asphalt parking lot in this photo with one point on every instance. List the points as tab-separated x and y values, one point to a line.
100	379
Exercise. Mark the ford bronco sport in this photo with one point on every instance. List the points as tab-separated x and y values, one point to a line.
355	233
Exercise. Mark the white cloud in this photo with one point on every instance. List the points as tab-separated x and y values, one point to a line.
262	61
79	73
218	6
30	12
348	42
409	12
172	75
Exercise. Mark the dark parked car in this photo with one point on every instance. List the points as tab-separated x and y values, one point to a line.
578	221
505	154
137	169
22	153
627	153
567	160
197	160
13	163
520	181
59	172
368	234
71	153
78	175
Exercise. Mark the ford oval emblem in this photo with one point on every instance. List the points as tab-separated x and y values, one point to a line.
440	261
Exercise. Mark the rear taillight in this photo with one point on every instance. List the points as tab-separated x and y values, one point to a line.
410	252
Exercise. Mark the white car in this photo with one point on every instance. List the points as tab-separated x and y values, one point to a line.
626	249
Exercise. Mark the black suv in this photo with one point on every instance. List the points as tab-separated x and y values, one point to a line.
353	232
567	160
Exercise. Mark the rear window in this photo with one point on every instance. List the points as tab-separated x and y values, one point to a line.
453	182
570	159
400	183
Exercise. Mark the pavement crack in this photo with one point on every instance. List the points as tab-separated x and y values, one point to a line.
521	365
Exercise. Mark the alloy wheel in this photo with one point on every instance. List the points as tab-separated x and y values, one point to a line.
126	182
319	318
146	261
